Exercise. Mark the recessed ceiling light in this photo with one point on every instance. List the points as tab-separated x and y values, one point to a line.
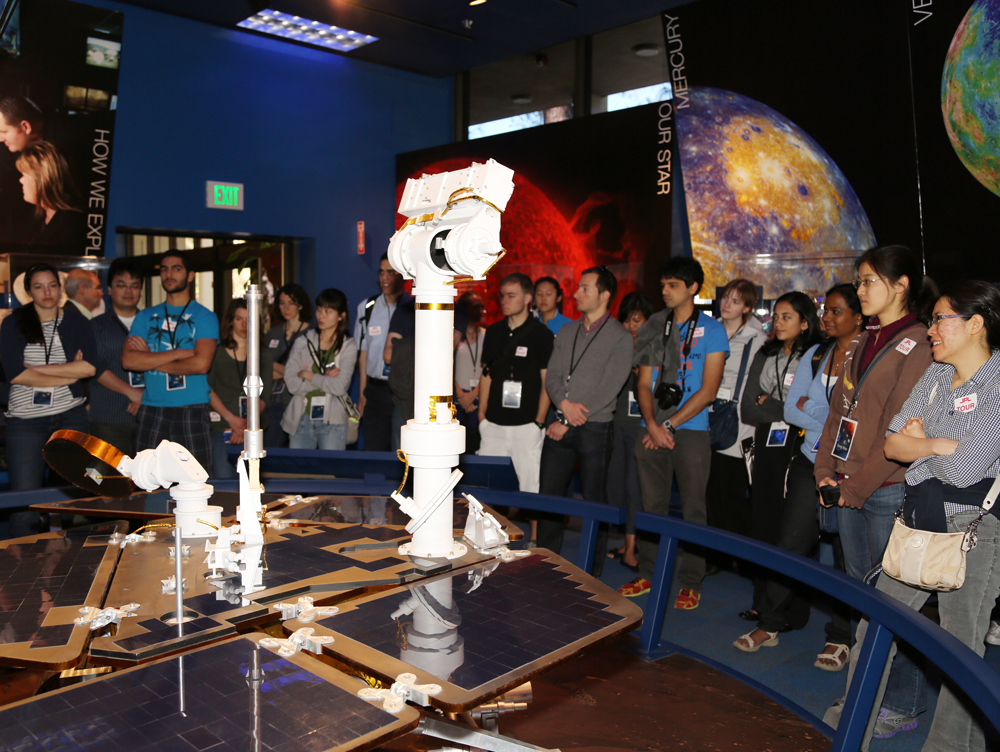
476	2
521	98
646	50
299	29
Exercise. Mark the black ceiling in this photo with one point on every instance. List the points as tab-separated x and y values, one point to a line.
430	36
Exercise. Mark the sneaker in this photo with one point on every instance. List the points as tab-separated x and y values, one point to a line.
634	589
890	724
687	599
993	636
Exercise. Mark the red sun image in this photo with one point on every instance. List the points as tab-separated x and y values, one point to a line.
541	241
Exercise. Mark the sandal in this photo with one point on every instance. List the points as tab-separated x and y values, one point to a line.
834	661
747	645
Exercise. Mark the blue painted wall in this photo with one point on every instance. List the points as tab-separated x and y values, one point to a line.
312	136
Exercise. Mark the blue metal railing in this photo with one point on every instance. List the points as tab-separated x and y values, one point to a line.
887	618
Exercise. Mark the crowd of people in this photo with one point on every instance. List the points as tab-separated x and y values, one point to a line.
881	402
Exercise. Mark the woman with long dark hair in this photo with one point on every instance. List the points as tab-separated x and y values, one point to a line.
549	302
955	456
292	314
772	373
318	372
806	408
880	371
227	398
46	352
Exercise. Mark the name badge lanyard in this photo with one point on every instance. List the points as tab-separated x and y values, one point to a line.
172	333
475	356
240	374
52	339
781	378
685	349
830	381
572	355
321	363
868	370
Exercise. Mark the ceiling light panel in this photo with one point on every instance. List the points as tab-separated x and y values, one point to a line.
303	30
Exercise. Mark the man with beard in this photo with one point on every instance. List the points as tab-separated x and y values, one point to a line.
174	344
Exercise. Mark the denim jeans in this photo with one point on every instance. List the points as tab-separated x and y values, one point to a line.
315	434
864	534
26	438
222	466
590	446
965	613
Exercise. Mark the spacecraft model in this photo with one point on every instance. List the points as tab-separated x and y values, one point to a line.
452	231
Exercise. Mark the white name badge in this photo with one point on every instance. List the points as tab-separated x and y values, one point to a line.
137	379
724	393
845	438
699	331
175	382
243	406
214	417
521	352
633	405
511	394
906	345
317	409
374	331
967	403
789	378
473	382
777	435
274	343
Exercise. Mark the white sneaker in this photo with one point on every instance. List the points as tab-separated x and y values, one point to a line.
993	636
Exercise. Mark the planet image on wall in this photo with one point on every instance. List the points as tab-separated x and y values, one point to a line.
970	92
764	200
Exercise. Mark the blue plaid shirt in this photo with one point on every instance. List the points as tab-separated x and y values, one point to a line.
969	415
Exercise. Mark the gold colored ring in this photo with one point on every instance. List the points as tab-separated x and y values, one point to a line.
435	306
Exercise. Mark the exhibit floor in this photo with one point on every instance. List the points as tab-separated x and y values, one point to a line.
710	630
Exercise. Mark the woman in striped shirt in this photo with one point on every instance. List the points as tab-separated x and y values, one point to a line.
46	352
949	429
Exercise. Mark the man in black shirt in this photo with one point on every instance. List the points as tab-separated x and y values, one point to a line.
512	397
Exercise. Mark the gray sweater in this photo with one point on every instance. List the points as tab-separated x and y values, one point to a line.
599	373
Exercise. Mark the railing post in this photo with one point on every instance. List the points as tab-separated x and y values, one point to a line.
663	573
864	689
588	539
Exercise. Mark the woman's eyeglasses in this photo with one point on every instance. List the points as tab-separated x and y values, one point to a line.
938	318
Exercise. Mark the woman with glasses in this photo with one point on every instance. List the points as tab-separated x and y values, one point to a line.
727	503
46	353
881	369
772	373
955	456
294	313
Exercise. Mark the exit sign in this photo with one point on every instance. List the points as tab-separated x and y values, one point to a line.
223	195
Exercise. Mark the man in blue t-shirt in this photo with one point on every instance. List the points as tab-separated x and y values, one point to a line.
678	444
174	344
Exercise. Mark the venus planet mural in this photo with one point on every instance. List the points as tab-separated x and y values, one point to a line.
970	92
764	200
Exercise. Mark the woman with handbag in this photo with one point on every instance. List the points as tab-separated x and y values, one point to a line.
806	408
727	501
772	372
318	374
881	369
949	429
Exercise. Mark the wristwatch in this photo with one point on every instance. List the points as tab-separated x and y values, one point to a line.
669	426
562	418
540	424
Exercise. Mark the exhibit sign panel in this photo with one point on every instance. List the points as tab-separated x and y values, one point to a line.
59	64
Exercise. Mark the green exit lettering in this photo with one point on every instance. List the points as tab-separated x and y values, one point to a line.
226	195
